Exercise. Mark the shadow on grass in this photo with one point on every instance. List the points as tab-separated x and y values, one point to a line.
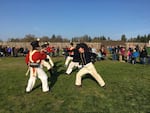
56	72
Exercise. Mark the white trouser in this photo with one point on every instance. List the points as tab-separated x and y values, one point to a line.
68	59
46	64
50	60
71	66
41	75
89	68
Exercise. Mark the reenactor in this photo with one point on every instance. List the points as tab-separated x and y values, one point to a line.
33	60
48	63
88	67
71	53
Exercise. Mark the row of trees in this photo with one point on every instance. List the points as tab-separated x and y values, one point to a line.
85	38
139	38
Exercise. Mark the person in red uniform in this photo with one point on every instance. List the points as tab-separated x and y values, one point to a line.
48	63
71	53
48	49
33	60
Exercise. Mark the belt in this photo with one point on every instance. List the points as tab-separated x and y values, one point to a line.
34	65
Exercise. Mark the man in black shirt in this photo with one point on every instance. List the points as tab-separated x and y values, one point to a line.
75	62
88	67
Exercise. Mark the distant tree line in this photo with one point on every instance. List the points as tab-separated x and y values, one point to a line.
139	38
84	38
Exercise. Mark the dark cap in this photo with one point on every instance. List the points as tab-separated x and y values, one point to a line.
44	45
35	44
83	45
71	43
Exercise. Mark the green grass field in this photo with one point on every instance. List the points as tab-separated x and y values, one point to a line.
127	91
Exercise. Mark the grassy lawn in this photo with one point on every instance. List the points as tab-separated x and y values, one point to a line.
127	91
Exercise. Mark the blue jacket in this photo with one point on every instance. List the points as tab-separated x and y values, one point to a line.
135	54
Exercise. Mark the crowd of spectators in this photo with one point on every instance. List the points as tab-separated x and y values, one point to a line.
6	51
131	55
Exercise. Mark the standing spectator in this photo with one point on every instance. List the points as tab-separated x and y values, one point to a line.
25	51
143	56
99	55
21	50
57	51
65	52
103	52
114	54
94	53
9	50
53	51
16	49
13	51
122	54
135	55
129	54
93	49
1	51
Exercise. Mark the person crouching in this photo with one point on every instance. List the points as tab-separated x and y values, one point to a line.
88	67
33	60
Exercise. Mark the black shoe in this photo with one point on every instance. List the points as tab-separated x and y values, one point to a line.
47	92
27	92
78	86
67	74
104	87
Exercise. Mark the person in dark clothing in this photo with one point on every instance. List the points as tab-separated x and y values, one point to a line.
143	56
88	67
114	53
75	62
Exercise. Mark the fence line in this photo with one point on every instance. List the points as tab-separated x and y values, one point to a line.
62	45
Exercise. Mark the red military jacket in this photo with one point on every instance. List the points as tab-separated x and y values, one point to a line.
49	49
35	56
71	52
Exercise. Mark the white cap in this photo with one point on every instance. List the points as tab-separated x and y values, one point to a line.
38	39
